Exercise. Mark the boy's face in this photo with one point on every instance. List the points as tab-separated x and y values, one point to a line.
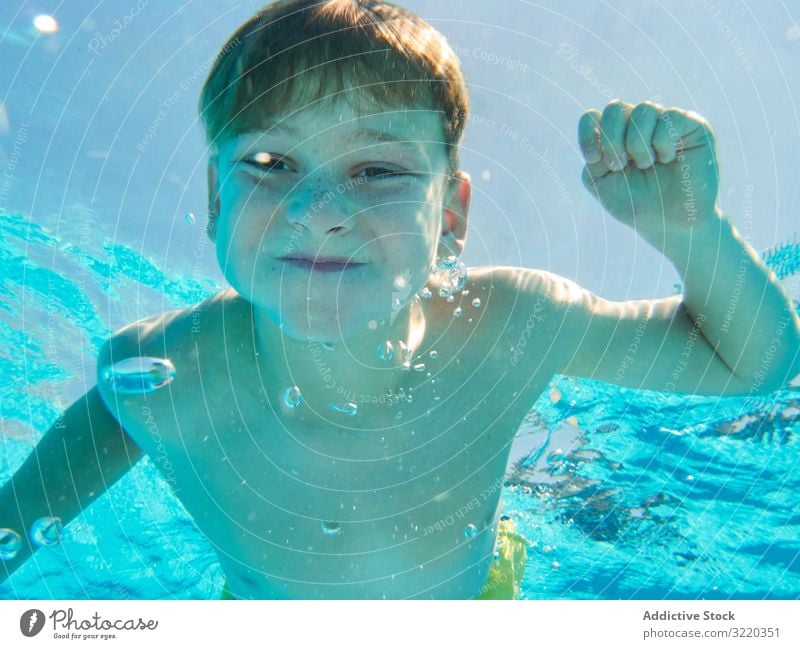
366	197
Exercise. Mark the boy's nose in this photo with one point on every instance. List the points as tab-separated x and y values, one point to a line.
319	211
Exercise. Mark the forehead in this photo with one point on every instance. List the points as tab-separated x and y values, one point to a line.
418	130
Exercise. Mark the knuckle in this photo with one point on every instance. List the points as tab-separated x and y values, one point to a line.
644	109
616	109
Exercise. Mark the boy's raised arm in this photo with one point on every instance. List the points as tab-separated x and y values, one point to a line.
733	332
80	457
655	169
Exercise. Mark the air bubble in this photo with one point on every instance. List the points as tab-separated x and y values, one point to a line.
446	263
433	353
138	375
46	531
292	397
470	531
419	367
457	312
425	293
406	352
457	276
386	351
331	528
189	218
328	346
10	544
476	303
349	408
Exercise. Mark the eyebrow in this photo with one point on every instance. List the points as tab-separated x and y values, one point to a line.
365	133
362	133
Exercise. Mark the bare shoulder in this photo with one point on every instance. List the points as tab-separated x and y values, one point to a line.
176	335
528	312
512	291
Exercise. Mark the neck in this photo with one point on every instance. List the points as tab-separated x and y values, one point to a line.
338	371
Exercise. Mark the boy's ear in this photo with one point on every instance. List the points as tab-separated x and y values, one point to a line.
456	212
213	197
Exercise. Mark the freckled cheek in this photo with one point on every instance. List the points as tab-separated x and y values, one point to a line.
247	225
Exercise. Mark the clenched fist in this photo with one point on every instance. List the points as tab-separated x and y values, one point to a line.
651	167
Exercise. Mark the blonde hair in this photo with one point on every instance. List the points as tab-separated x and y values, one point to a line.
303	50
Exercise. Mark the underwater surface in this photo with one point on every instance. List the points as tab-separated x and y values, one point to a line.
623	494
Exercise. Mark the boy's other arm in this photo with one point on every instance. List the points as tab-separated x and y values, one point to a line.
80	457
639	344
735	330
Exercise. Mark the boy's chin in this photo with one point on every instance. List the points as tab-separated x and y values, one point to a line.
327	330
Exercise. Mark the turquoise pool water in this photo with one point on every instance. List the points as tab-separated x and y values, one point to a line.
625	495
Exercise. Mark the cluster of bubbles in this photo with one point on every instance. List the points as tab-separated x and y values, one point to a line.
454	275
453	282
387	352
44	532
454	279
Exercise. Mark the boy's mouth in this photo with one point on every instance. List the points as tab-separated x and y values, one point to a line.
321	264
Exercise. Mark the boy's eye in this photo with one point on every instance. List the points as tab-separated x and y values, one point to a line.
264	161
380	172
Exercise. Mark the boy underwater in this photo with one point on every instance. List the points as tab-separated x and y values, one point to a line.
356	388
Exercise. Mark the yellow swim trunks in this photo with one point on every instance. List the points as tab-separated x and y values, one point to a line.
505	575
226	594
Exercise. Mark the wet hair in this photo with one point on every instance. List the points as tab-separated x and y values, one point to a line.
296	52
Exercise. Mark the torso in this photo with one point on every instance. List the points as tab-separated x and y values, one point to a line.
304	504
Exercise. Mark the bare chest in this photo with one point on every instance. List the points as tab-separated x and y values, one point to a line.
309	502
398	499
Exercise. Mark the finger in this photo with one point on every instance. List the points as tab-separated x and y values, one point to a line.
592	173
678	130
588	135
639	135
612	134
